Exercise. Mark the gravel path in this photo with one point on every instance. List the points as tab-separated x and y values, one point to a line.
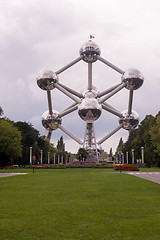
10	174
151	176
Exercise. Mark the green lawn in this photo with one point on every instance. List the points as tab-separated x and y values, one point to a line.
79	204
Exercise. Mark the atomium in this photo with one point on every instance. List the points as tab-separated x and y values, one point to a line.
90	102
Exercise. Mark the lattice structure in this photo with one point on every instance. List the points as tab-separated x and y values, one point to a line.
90	102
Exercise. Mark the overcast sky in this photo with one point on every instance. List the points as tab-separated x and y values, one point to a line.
36	34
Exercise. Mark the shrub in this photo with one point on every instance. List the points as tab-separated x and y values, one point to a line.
126	167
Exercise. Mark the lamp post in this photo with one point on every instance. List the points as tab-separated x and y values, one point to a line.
30	156
41	155
58	158
142	152
48	157
54	161
132	156
122	157
127	157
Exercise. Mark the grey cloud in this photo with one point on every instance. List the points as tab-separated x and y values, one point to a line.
35	35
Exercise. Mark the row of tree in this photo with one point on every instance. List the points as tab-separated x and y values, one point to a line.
147	135
16	138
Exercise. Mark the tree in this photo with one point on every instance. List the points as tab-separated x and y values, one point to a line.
30	138
143	139
1	111
110	154
51	149
127	146
10	143
120	146
155	136
61	145
104	156
82	154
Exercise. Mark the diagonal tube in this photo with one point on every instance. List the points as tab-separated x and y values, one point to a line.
69	65
74	104
110	65
122	85
112	110
70	135
67	111
109	134
67	93
108	90
71	91
108	105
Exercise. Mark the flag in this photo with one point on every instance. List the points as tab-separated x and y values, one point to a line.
91	36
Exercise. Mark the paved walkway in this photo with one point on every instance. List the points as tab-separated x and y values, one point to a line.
10	174
151	176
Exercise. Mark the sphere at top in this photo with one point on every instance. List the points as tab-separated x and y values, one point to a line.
89	51
134	79
46	79
51	121
129	121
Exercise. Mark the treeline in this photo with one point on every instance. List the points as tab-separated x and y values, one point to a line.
147	135
16	138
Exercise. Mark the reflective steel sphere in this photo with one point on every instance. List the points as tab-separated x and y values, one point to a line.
89	51
46	79
134	79
51	121
129	121
89	109
90	93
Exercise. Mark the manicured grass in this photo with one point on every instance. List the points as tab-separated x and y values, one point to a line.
79	204
153	169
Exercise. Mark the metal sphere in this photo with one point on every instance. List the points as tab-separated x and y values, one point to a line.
129	121
90	93
51	121
134	79
89	51
46	79
89	109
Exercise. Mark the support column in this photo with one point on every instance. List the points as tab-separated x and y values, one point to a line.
58	158
127	157
130	102
123	158
89	76
41	155
48	157
54	160
117	159
142	152
132	156
30	161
